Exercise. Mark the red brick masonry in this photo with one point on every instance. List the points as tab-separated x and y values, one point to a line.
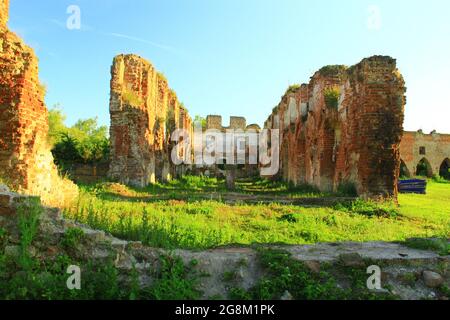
354	140
26	162
144	112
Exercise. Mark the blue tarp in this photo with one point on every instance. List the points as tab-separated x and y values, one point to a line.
413	186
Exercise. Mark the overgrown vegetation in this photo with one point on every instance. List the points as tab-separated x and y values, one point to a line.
439	179
347	189
175	281
286	275
72	237
26	276
196	213
292	88
131	98
200	121
369	208
28	216
439	245
423	169
84	142
134	214
332	96
332	70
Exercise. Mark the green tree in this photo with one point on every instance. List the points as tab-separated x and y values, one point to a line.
56	126
200	119
84	142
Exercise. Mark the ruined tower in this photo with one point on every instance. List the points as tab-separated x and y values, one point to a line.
26	162
144	112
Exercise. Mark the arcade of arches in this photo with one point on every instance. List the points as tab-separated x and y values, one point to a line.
425	154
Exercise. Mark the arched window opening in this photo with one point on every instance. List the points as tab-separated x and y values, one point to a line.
424	169
444	170
404	172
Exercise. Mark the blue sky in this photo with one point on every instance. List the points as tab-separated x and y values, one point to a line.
237	57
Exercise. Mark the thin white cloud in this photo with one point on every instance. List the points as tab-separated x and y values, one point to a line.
85	27
58	23
154	44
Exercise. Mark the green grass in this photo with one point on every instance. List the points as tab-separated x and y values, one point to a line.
152	216
440	246
204	224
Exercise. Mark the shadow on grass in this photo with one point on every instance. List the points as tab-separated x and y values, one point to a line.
196	188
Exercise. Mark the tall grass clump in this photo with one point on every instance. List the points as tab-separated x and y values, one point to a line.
369	208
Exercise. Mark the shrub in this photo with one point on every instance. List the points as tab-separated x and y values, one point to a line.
292	88
84	142
72	237
174	281
332	96
347	189
285	274
332	70
439	179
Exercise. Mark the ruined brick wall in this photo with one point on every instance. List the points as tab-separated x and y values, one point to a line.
26	162
89	173
353	138
144	112
236	123
434	148
214	122
4	13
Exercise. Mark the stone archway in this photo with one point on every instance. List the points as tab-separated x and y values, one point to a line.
444	170
424	168
404	171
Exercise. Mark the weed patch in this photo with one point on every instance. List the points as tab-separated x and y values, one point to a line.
174	281
369	208
286	274
440	246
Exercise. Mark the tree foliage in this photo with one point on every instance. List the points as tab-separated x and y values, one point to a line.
84	142
199	120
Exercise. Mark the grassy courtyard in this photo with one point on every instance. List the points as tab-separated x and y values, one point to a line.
196	213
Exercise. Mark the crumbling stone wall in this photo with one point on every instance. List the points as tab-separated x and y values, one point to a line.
4	13
433	148
144	112
345	126
26	162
